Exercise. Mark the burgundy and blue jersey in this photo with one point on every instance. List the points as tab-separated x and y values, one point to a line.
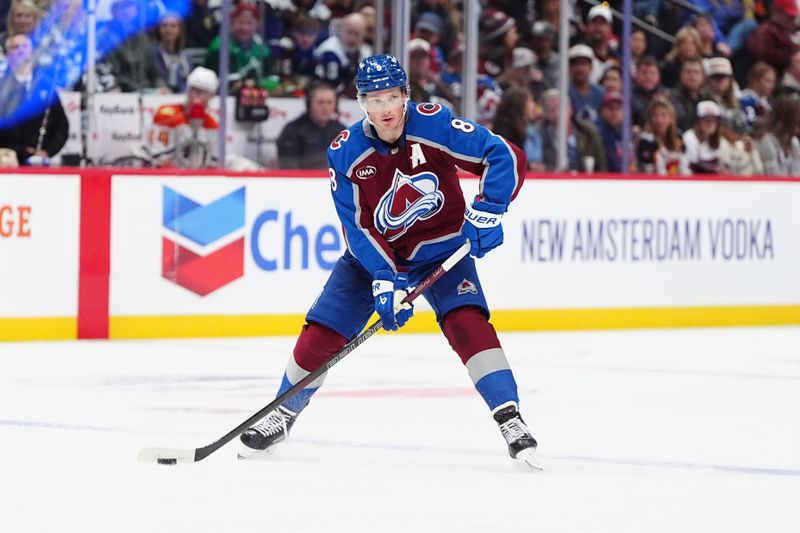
402	206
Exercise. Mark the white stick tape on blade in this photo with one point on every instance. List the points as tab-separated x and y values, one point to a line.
482	219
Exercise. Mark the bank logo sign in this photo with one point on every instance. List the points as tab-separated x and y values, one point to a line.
203	245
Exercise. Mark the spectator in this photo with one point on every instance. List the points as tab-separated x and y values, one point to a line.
299	64
367	9
779	146
23	19
731	22
706	148
339	55
601	40
499	36
638	48
689	91
488	92
790	83
723	91
449	15
609	127
611	81
585	151
169	52
659	149
428	27
185	135
249	57
755	98
32	121
547	61
424	85
585	97
687	46
710	43
303	142
202	24
131	60
772	41
523	73
514	121
647	85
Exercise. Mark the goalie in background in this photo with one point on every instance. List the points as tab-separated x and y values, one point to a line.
185	135
395	186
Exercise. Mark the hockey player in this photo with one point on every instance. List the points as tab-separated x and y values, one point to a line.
184	135
394	183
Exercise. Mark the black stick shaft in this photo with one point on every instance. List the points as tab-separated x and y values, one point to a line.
433	277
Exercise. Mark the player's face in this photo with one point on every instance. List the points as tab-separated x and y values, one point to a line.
385	110
197	96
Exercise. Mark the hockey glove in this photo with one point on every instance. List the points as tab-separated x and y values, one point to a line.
389	289
482	226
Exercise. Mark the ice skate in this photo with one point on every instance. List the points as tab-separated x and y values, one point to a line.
521	444
271	430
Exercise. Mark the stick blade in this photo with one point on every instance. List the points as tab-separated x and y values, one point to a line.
166	456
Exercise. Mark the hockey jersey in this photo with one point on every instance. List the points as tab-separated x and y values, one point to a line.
173	141
402	206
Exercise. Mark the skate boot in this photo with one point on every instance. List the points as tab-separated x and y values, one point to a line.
521	444
271	430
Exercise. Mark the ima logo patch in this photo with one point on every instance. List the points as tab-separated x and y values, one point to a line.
203	245
466	286
410	198
366	172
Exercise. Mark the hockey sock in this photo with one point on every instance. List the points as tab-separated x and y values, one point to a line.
315	346
475	341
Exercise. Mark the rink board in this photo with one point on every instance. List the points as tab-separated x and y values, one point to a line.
238	255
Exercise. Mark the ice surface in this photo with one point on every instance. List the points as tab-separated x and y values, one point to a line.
639	431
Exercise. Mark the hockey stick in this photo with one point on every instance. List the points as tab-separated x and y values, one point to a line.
171	456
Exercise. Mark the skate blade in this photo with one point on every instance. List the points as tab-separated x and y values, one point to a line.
250	454
527	459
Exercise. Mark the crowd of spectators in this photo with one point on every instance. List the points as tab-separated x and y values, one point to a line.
715	87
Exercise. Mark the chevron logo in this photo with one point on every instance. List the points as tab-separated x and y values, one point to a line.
203	245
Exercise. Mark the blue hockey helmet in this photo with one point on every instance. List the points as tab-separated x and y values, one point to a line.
378	73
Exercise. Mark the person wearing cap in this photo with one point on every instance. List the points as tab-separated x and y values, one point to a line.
424	84
688	92
722	88
772	41
609	126
185	135
448	14
708	151
523	73
249	57
131	59
600	37
338	56
428	28
586	97
499	36
547	59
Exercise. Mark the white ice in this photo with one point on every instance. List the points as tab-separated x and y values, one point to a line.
640	431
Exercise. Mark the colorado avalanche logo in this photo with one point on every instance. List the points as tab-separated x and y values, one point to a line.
466	286
410	198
